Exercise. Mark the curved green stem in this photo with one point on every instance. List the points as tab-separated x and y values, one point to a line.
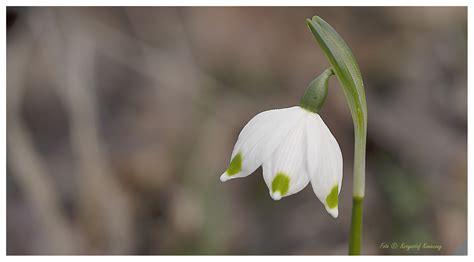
348	73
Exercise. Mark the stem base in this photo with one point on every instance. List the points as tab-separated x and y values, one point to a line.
355	240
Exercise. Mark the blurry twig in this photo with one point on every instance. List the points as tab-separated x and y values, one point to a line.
102	203
26	164
99	188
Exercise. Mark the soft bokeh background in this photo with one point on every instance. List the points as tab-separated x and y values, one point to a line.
121	120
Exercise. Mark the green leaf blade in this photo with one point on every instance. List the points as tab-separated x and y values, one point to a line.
345	67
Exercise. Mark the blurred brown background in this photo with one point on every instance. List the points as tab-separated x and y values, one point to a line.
121	120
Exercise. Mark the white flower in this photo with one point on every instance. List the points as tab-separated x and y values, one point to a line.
295	147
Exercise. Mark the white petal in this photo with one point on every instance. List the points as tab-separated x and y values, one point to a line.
324	163
285	173
260	137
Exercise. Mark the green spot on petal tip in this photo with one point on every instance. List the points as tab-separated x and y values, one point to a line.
235	165
281	184
333	198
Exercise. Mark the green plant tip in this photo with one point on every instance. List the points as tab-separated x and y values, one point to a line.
281	183
235	165
333	198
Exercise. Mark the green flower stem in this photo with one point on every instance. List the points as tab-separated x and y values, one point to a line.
348	73
355	240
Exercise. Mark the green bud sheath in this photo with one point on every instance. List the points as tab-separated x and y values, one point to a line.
316	92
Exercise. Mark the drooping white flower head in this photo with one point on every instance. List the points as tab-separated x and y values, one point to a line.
294	146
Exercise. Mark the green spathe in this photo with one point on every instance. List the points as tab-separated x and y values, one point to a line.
316	92
235	165
281	183
333	198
